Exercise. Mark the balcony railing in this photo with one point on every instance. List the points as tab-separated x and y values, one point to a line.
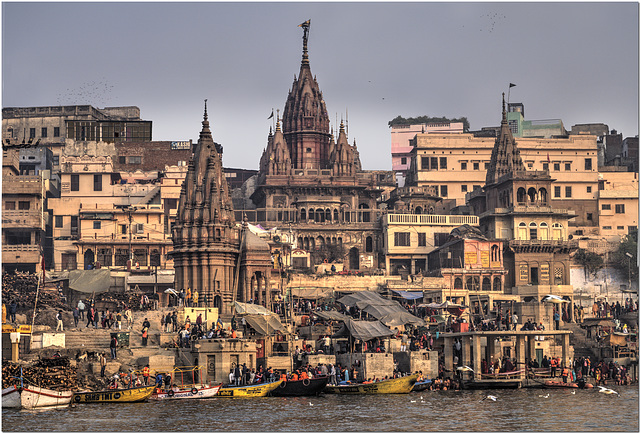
429	219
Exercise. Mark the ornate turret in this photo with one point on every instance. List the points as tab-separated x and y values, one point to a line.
505	157
305	121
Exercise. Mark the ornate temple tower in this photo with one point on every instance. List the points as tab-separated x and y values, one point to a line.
206	241
305	120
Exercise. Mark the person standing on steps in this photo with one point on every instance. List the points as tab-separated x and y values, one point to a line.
145	331
113	346
103	363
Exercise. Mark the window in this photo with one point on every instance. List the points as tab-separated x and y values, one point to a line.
620	208
422	239
122	159
545	166
463	188
588	189
75	182
424	163
486	166
587	164
123	229
437	189
556	191
402	239
56	131
403	160
463	166
444	190
56	160
97	182
58	221
440	239
443	163
556	166
24	205
620	227
434	163
476	166
606	228
9	205
97	225
606	207
567	191
567	166
137	159
32	132
43	133
476	187
308	150
589	216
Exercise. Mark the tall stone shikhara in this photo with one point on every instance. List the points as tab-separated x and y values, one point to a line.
207	242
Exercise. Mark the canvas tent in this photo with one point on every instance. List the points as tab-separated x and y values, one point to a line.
332	315
242	308
90	281
364	331
364	298
265	324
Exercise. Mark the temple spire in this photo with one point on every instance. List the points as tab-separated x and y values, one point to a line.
305	36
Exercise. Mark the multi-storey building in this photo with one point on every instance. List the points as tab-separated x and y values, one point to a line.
56	126
617	203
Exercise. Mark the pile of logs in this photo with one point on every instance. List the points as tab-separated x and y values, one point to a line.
21	286
52	373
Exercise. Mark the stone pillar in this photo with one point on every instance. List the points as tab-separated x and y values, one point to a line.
259	284
520	353
531	343
387	264
466	350
448	353
477	362
565	350
413	266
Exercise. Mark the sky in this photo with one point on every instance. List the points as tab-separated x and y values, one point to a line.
577	62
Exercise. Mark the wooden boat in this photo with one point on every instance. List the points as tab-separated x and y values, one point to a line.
297	388
401	385
258	390
130	395
11	397
421	385
558	384
197	391
35	397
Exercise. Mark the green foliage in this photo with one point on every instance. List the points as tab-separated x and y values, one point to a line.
621	261
329	252
399	120
590	262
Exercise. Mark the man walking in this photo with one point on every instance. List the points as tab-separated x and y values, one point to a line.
113	346
76	316
59	326
81	309
103	363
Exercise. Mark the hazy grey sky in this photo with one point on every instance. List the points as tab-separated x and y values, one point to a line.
574	61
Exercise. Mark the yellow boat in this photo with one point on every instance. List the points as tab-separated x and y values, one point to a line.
259	390
401	385
130	395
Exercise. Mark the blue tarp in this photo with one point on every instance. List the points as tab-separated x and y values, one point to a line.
408	295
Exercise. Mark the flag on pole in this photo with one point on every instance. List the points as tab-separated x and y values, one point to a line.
271	114
511	85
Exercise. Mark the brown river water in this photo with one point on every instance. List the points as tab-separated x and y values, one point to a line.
514	410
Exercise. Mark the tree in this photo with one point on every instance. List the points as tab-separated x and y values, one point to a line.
399	120
329	252
590	262
621	261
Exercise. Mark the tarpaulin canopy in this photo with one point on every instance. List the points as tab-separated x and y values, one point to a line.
242	308
90	281
401	318
444	305
378	311
364	331
364	298
332	315
408	295
265	324
311	292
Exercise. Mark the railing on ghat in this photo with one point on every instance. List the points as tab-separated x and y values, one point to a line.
430	219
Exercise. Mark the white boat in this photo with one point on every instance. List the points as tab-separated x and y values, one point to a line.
11	397
195	392
34	397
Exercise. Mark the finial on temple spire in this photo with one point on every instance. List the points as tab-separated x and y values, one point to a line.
504	111
305	36
205	110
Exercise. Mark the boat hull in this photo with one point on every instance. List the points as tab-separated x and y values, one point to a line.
421	386
401	385
131	395
298	388
11	397
204	392
34	397
259	390
557	384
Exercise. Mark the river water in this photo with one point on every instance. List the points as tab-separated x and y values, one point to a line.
514	410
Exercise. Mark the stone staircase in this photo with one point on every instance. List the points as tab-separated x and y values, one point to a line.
582	345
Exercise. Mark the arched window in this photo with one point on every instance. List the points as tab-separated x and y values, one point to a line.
457	284
495	253
558	232
542	194
300	243
365	215
486	284
306	243
497	284
312	215
522	231
473	283
368	244
558	275
521	196
335	215
532	193
544	231
418	210
533	230
327	215
320	241
303	214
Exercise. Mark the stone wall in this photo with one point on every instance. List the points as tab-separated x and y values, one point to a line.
218	357
368	365
419	360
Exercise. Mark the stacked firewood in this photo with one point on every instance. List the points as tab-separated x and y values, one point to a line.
21	287
120	299
51	373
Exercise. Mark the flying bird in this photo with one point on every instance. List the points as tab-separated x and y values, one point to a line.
607	390
465	368
573	392
544	396
310	404
490	397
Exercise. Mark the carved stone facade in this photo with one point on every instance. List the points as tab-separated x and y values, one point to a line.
211	254
314	184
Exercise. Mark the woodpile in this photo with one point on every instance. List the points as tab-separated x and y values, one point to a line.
52	373
21	286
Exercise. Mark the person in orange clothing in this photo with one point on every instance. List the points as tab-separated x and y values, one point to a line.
304	375
283	376
294	375
145	375
234	334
